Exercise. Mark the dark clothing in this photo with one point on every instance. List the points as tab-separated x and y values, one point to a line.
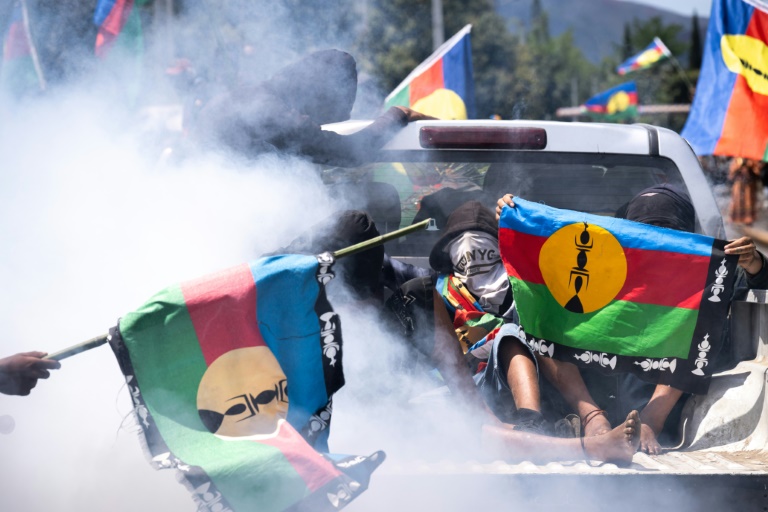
361	271
667	206
285	114
439	205
470	216
366	273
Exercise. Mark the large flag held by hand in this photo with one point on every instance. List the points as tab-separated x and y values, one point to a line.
596	291
616	103
653	53
232	376
443	86
729	115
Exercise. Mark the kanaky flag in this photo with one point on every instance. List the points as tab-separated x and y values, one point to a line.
443	85
653	53
729	115
618	102
597	291
232	376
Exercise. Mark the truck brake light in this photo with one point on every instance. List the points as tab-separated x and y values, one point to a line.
481	137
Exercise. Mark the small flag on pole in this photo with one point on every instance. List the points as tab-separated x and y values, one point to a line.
443	85
619	102
231	377
653	53
598	290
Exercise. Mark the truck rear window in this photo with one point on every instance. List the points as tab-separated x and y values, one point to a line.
412	186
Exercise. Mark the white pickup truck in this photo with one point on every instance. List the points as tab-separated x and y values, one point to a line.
427	170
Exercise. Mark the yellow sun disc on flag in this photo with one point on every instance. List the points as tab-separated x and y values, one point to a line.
583	266
619	102
748	57
442	104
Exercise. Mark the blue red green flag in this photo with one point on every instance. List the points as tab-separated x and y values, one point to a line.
729	115
616	103
597	291
653	53
232	377
119	25
443	86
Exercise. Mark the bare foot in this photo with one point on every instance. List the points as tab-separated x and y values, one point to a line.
648	442
618	445
596	425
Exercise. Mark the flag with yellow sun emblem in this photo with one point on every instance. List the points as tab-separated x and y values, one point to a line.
231	377
617	295
616	103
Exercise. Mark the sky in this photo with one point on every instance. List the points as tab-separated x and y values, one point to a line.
686	7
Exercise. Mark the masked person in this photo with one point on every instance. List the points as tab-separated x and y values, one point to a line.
286	112
19	373
417	308
667	206
474	288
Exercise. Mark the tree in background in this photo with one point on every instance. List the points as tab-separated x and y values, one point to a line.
695	51
627	48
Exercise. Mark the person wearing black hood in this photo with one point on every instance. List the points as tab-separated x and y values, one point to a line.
285	113
667	206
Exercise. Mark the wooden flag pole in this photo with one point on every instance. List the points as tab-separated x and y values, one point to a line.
347	251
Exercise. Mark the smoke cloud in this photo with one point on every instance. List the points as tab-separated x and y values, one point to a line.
96	215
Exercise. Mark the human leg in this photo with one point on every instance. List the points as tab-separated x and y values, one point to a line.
617	445
519	367
567	380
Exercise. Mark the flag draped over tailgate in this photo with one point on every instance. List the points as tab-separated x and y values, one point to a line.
618	295
232	377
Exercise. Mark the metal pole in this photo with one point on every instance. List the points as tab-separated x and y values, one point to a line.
380	240
32	48
80	347
438	30
348	251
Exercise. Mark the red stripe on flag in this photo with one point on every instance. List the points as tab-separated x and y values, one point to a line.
520	253
667	278
427	82
223	311
309	464
112	26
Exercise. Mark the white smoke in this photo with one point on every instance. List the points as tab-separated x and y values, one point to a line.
91	228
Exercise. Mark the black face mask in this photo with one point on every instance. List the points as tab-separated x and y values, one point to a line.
666	206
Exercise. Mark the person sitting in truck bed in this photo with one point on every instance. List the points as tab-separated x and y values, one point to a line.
428	328
664	206
474	287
